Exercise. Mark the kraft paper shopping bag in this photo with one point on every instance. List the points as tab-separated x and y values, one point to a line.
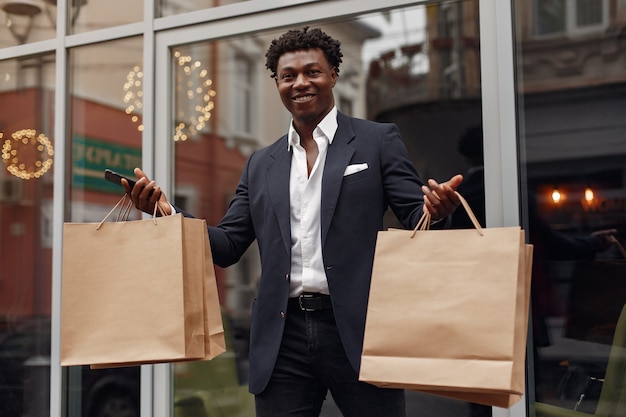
499	399
134	292
215	342
199	264
448	313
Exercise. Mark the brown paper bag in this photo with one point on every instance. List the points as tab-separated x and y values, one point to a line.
214	334
498	399
136	292
448	313
214	340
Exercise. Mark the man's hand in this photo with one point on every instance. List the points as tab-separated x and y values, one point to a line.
145	194
605	238
440	200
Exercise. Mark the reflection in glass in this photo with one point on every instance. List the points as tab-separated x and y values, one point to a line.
104	133
417	67
24	21
26	189
561	17
572	99
194	94
173	7
88	15
550	16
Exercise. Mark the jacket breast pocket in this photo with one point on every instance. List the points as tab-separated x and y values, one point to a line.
356	173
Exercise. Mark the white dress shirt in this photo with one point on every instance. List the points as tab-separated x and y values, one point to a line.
305	192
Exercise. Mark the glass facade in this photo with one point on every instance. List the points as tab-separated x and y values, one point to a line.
104	131
26	242
180	88
571	102
173	7
90	15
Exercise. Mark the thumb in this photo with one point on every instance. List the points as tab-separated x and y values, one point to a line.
139	173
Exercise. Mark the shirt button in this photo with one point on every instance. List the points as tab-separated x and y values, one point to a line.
282	314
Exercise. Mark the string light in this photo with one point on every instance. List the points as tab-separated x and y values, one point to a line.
194	85
27	154
133	95
192	79
556	195
588	195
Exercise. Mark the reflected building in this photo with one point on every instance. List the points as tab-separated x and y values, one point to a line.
571	102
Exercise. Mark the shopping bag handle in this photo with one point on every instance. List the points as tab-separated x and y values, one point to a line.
424	221
125	210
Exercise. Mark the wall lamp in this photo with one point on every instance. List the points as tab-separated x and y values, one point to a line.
24	10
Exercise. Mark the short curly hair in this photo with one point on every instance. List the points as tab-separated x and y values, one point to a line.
304	38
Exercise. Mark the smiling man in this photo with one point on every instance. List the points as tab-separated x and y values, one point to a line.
314	200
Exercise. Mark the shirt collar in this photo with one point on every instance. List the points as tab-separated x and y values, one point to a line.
328	127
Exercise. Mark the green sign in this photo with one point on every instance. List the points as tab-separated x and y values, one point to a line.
90	157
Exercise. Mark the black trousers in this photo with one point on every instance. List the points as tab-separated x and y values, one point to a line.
311	363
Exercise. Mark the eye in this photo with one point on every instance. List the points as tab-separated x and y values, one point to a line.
286	77
315	73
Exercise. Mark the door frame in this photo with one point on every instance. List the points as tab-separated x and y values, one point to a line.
498	109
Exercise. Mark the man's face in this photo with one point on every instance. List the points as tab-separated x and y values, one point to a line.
305	82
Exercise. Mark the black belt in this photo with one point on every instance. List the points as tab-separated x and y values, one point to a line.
311	302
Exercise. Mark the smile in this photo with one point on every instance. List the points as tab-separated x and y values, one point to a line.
303	98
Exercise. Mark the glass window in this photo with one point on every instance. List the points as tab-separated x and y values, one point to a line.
550	16
29	21
573	148
417	67
566	17
589	12
26	189
25	21
243	93
105	132
89	15
194	96
172	7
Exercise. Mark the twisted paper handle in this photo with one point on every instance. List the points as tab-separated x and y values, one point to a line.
424	221
125	210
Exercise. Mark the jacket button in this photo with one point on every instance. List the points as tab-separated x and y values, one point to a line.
287	277
282	314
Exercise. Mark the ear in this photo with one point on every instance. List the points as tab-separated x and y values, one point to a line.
333	76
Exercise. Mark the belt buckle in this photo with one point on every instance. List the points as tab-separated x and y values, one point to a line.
300	302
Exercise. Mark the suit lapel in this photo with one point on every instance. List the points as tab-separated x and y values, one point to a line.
337	159
278	174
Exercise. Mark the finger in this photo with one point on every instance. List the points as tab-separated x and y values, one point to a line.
447	200
455	181
430	202
139	173
126	186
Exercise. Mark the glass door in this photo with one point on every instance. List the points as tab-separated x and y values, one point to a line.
418	66
571	95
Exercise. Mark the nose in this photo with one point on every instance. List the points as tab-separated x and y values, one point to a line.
301	81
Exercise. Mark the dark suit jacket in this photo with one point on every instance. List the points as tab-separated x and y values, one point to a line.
351	215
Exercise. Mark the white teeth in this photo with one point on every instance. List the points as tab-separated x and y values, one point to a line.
303	98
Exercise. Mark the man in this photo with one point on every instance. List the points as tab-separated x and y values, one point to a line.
314	200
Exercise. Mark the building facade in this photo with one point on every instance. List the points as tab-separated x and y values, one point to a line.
527	98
